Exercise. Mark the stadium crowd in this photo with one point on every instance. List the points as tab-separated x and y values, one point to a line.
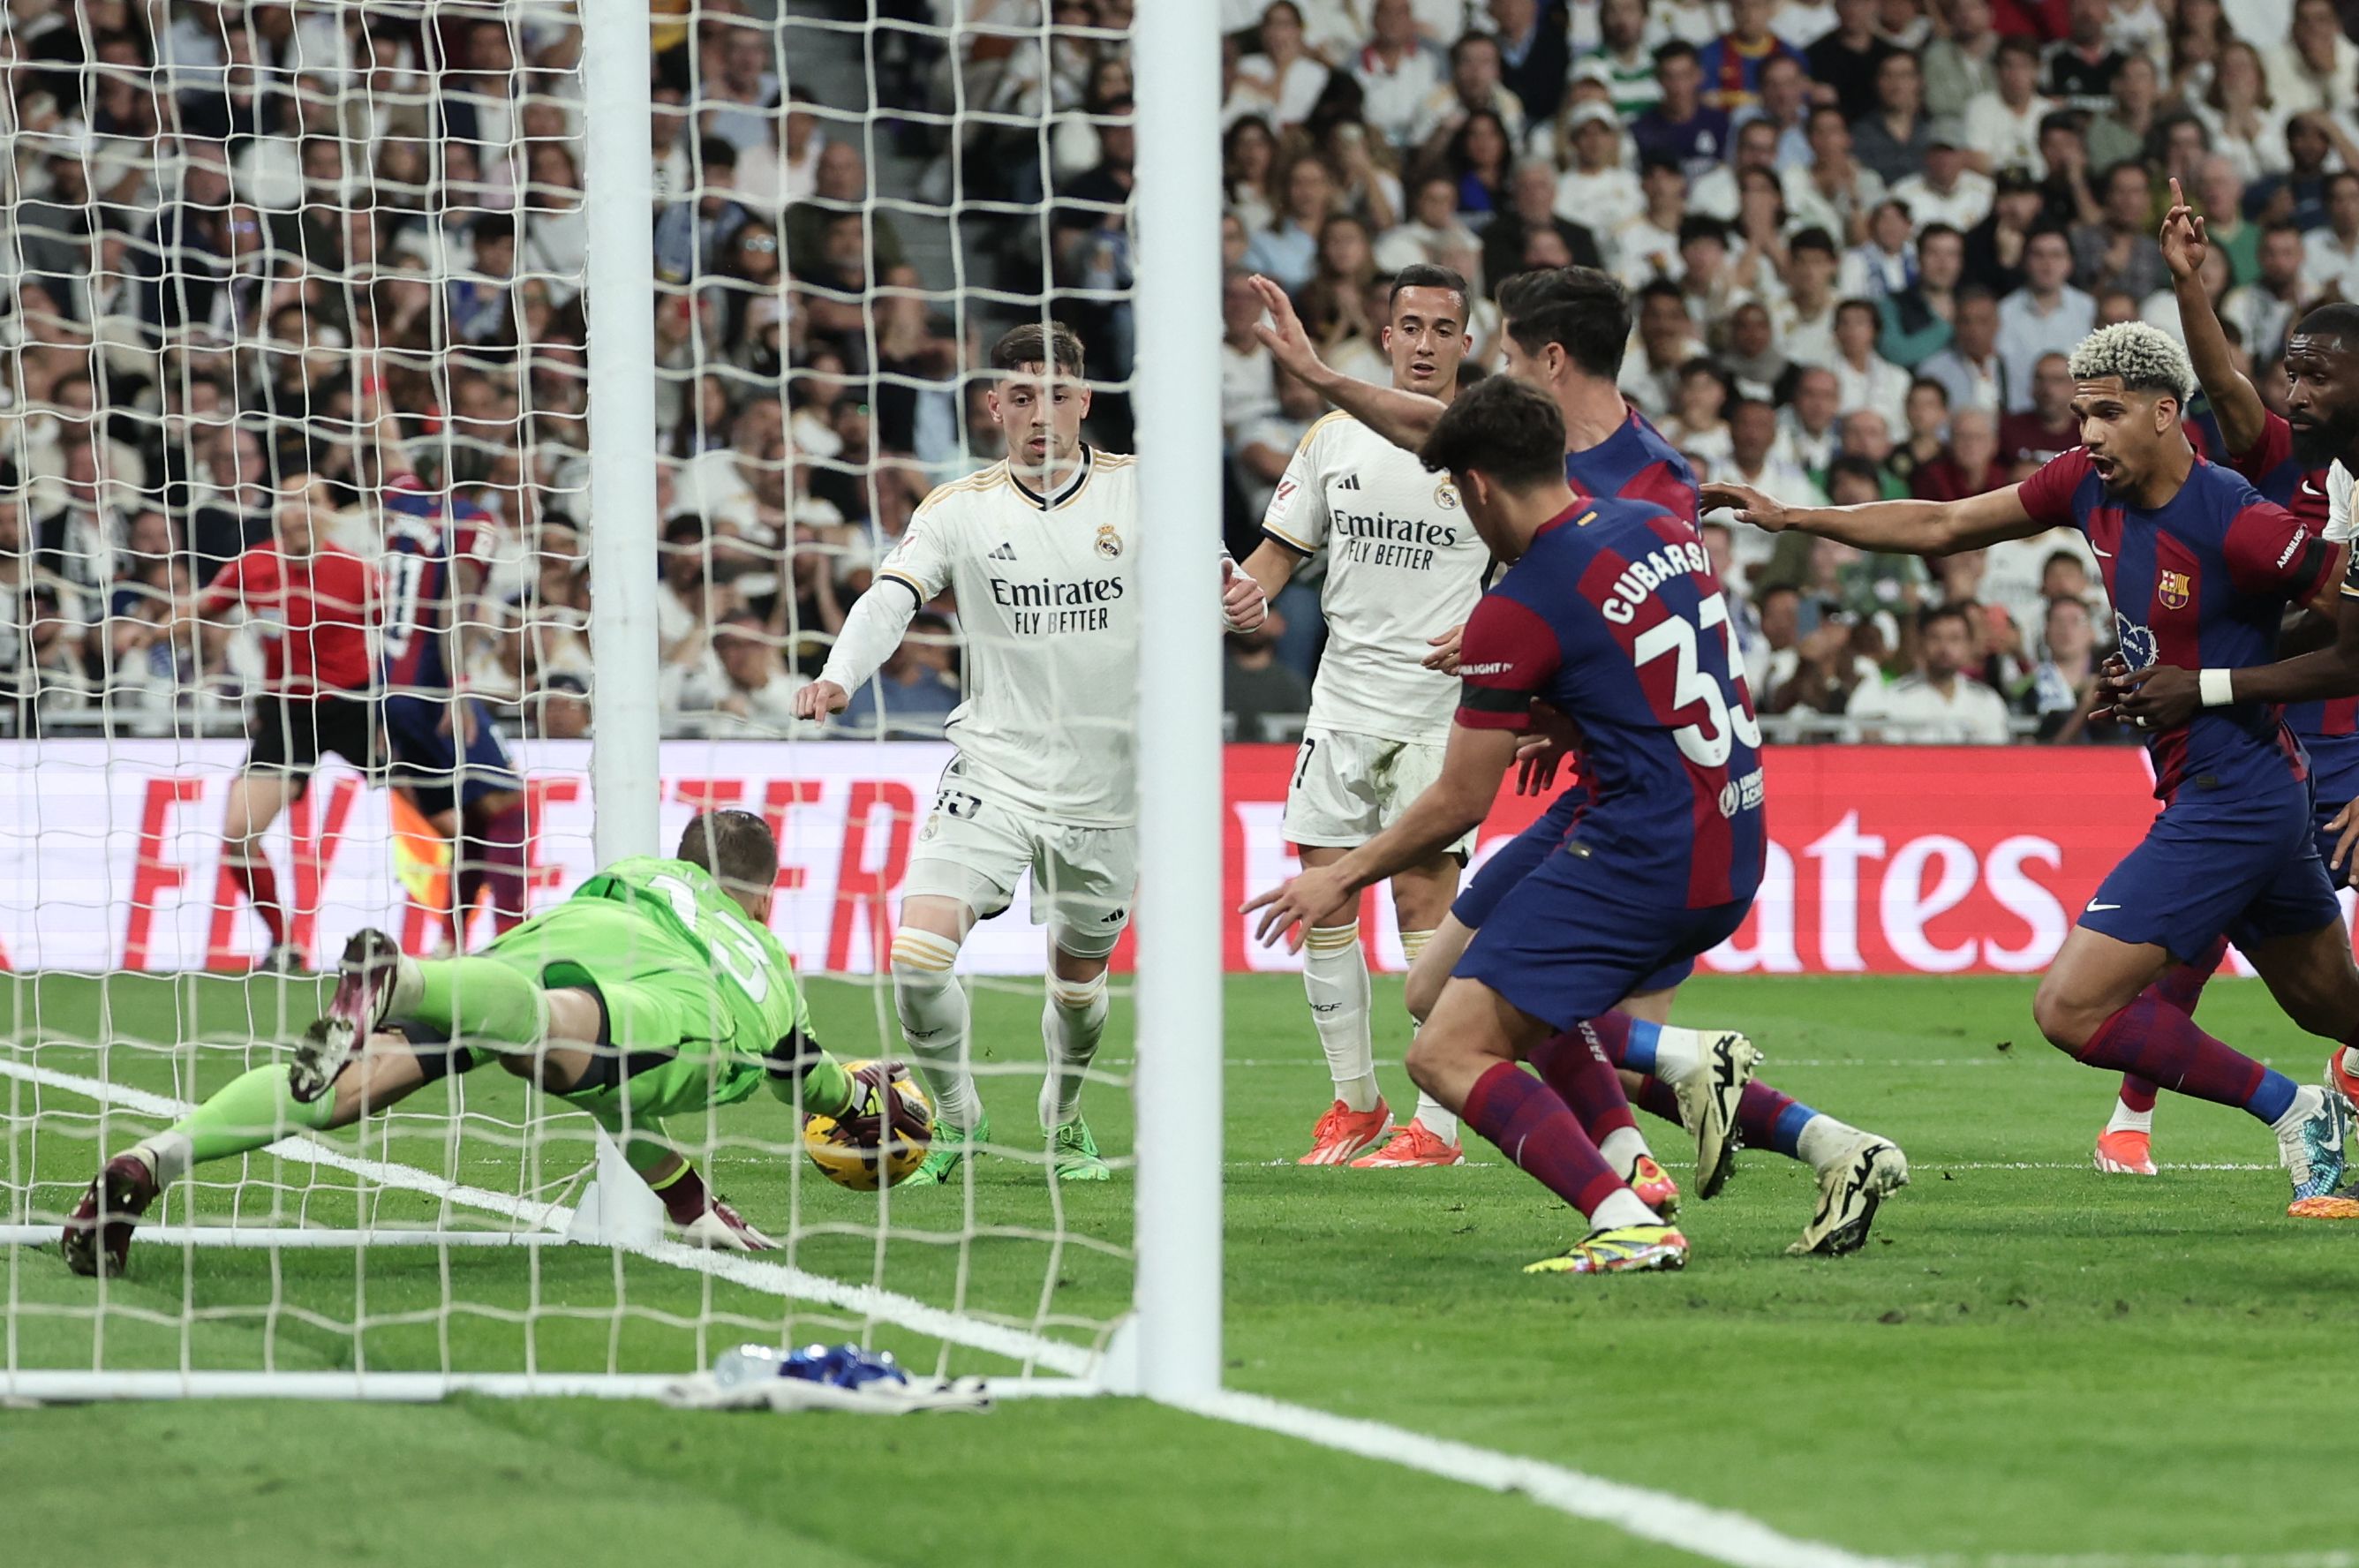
247	240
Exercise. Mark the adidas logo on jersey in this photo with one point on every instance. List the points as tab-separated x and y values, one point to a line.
1005	552
1349	482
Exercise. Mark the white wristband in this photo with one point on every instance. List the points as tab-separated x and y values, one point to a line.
2216	687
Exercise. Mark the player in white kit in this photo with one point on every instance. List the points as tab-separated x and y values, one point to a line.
1404	569
1038	550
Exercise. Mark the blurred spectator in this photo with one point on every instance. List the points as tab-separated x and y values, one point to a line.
1970	466
2002	121
1948	190
1279	81
2065	682
2046	316
1732	63
1845	62
2316	68
1532	209
2047	426
1864	378
915	691
1287	249
1396	71
1256	689
1936	704
1681	127
1917	323
1963	63
2120	251
1969	369
1474	85
2247	128
1432	230
754	693
1893	138
2080	66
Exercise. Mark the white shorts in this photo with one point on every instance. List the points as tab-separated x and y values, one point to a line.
1348	788
977	851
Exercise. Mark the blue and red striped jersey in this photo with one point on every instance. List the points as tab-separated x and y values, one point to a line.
2328	730
426	534
1614	617
1636	463
2201	581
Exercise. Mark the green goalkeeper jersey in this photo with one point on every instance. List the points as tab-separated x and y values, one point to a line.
749	966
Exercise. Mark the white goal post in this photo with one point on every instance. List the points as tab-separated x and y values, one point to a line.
72	1070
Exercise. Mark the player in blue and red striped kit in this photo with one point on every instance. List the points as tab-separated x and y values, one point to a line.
2259	445
1609	613
1565	332
2201	571
448	753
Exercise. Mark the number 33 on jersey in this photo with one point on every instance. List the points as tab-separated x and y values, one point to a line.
1614	616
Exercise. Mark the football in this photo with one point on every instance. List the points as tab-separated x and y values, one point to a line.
882	1137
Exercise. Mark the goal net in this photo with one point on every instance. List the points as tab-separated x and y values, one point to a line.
304	348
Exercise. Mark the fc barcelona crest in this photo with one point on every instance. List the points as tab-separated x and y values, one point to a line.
1109	542
2174	590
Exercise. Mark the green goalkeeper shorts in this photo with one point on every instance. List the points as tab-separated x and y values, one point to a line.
669	1046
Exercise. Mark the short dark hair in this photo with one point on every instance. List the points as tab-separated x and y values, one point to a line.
737	847
1032	344
2014	43
1665	53
1469	40
1701	226
1933	615
1923	383
1935	229
2067	557
1428	275
1844	306
1813	238
1510	433
1856	466
2339	321
1581	310
716	152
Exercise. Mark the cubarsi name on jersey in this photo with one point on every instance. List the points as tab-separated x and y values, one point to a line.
1646	573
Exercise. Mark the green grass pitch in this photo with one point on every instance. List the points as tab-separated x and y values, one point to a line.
2028	1359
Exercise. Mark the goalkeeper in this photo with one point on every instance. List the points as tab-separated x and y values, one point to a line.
657	990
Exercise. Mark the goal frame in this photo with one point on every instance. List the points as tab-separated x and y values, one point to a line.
1169	1346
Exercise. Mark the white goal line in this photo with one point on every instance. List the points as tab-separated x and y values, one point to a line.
1717	1535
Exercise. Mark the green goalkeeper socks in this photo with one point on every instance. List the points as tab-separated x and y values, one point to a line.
482	1001
253	1110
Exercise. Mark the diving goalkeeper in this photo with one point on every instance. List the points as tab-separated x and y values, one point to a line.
657	990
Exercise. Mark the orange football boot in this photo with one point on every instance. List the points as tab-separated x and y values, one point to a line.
1415	1144
2125	1153
1343	1132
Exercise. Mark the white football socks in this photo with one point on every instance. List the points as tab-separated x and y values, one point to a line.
2125	1119
1622	1147
1621	1208
1431	1113
1335	978
1070	1023
932	1008
2307	1100
1679	1052
1823	1141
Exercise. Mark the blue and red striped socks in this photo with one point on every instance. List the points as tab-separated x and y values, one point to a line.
1532	1126
2157	1043
2181	987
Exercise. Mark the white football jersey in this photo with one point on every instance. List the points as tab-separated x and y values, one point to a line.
1049	610
1404	564
2338	502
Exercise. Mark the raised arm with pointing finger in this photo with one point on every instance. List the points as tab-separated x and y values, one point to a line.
1404	419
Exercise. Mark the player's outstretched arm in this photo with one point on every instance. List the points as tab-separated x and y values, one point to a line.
1913	527
1404	419
871	632
2242	415
1452	806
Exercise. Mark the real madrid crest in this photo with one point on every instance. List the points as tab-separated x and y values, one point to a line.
1109	542
1445	496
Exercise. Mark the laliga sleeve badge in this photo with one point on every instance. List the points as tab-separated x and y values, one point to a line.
1109	542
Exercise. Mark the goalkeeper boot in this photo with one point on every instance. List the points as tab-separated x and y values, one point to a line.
369	975
950	1145
719	1229
98	1236
1619	1249
1073	1154
1850	1187
1708	1101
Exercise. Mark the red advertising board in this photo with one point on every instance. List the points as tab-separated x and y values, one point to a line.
1883	859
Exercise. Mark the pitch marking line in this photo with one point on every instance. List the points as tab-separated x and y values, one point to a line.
736	1268
1717	1534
